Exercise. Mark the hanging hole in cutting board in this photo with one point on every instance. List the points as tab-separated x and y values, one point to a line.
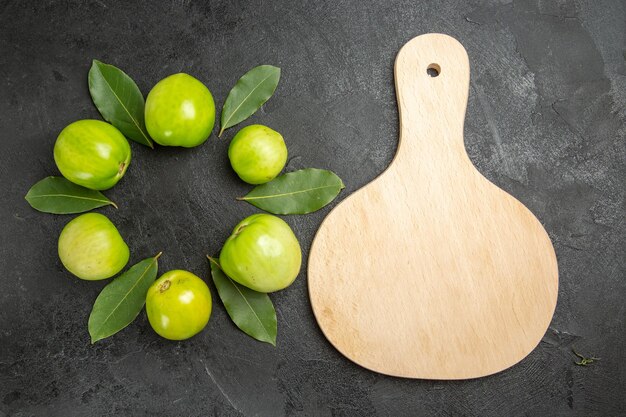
433	70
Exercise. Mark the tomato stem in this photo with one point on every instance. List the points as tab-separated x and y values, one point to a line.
165	285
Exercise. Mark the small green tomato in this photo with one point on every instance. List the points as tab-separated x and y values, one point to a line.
178	305
92	153
257	154
91	248
262	253
180	111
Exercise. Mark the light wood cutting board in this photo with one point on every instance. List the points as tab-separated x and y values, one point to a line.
431	271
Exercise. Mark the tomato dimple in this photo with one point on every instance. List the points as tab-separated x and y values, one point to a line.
165	285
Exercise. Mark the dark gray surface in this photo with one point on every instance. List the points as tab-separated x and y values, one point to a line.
545	121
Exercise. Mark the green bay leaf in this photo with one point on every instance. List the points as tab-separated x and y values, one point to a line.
252	311
252	90
119	101
58	195
121	301
298	192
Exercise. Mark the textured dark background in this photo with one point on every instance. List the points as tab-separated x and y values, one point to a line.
545	121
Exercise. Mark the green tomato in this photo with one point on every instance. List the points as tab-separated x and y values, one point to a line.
91	248
257	154
178	305
180	111
262	253
92	153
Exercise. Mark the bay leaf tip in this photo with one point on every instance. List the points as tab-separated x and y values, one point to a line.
213	261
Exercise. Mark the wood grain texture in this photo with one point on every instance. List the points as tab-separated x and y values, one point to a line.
431	271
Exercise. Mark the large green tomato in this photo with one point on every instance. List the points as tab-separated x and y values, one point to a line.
92	153
262	253
257	154
178	305
91	248
180	111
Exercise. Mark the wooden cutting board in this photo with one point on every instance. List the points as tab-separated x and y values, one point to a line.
431	271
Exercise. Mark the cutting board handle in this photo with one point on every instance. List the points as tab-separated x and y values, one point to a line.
432	84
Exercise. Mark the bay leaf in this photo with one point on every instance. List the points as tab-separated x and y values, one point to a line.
119	101
58	195
252	311
298	192
252	90
120	302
